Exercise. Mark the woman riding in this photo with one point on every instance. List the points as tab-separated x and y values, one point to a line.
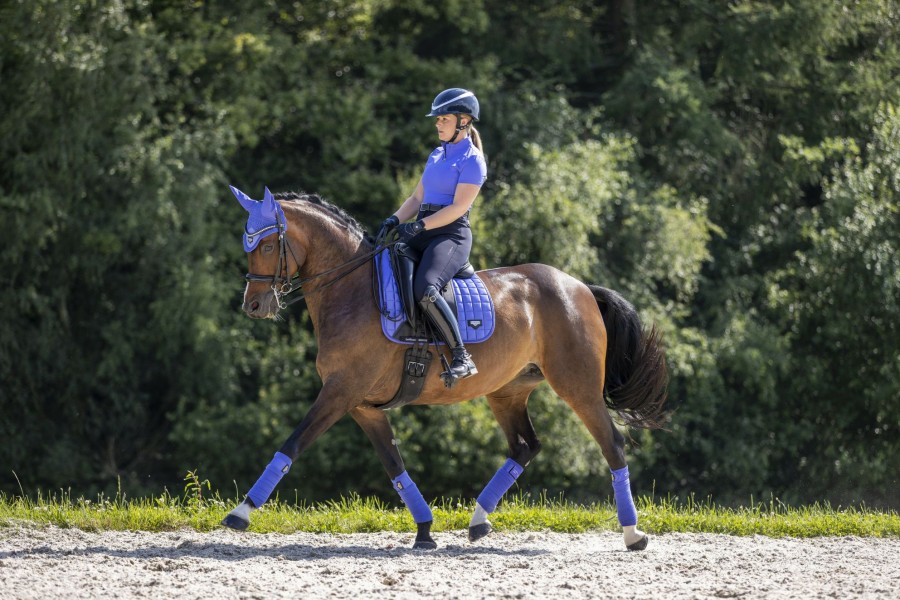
450	182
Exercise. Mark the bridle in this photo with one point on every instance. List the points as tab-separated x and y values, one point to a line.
284	283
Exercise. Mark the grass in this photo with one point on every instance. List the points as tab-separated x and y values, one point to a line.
355	514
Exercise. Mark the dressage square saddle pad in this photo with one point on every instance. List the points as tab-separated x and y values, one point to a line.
471	302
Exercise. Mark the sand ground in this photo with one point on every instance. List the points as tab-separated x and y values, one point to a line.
42	563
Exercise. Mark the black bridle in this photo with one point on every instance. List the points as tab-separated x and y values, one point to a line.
284	283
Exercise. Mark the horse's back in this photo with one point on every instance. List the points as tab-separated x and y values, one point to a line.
534	283
546	301
546	320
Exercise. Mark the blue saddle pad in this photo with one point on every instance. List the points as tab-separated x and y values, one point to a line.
474	307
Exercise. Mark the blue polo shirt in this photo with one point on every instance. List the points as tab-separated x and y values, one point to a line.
449	165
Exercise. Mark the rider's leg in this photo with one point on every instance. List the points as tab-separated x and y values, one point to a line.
442	257
437	309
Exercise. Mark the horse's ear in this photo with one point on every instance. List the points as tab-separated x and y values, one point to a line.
269	207
246	201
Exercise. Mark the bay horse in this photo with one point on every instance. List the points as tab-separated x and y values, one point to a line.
585	341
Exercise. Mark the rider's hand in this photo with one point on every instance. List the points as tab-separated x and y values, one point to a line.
387	226
409	230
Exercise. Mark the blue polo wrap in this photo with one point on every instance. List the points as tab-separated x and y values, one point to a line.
624	502
412	498
263	487
499	484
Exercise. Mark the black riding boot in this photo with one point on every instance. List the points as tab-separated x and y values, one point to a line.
405	271
437	309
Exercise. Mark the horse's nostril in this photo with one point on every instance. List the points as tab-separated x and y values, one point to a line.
254	306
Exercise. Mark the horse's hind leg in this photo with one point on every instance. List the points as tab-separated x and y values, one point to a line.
583	392
612	444
375	424
510	408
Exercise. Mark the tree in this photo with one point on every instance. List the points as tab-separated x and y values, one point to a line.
839	302
112	265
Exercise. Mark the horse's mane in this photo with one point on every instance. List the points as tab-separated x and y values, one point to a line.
352	224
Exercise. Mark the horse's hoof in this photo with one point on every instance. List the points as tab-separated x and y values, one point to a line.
640	544
423	537
479	531
235	522
428	544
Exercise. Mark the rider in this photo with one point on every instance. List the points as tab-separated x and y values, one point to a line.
450	182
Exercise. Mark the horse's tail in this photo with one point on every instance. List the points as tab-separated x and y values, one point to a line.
636	375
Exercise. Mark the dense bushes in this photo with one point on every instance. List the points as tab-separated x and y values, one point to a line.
731	168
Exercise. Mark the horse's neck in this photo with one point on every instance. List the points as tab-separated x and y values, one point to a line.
329	244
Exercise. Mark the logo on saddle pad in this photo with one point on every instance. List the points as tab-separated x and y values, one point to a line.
474	323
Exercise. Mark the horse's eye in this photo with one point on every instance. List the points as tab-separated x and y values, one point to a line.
268	248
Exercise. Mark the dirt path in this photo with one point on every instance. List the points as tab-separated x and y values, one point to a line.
69	563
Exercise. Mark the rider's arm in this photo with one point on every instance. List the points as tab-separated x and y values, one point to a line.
410	206
462	201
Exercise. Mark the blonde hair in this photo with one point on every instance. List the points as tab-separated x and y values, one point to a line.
476	138
473	133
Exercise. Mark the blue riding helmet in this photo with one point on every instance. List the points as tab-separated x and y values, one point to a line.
455	101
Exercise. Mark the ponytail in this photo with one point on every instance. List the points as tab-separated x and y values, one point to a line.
476	137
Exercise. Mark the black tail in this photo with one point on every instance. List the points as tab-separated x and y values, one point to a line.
636	374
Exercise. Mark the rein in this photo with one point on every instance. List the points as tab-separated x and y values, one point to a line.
282	284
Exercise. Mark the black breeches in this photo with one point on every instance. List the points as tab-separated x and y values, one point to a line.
444	252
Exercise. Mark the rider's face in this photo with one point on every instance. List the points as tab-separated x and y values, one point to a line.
446	127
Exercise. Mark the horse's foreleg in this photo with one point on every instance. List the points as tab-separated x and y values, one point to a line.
377	428
510	410
325	412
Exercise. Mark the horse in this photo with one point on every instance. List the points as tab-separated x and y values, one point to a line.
587	342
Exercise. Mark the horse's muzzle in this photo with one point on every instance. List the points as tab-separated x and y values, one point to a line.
261	306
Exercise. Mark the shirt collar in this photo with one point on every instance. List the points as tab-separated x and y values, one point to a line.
455	150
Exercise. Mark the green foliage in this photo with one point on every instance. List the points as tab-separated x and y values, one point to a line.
107	337
839	301
748	108
730	167
355	514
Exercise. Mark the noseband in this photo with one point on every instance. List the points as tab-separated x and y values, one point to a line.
283	283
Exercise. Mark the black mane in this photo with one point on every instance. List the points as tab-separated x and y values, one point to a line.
348	219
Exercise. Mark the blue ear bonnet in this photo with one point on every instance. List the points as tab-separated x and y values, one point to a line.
266	217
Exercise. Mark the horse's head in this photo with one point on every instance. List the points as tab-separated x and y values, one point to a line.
272	263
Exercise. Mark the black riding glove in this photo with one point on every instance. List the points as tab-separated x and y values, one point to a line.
409	230
386	227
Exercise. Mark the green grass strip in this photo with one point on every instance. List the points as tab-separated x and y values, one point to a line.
355	515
